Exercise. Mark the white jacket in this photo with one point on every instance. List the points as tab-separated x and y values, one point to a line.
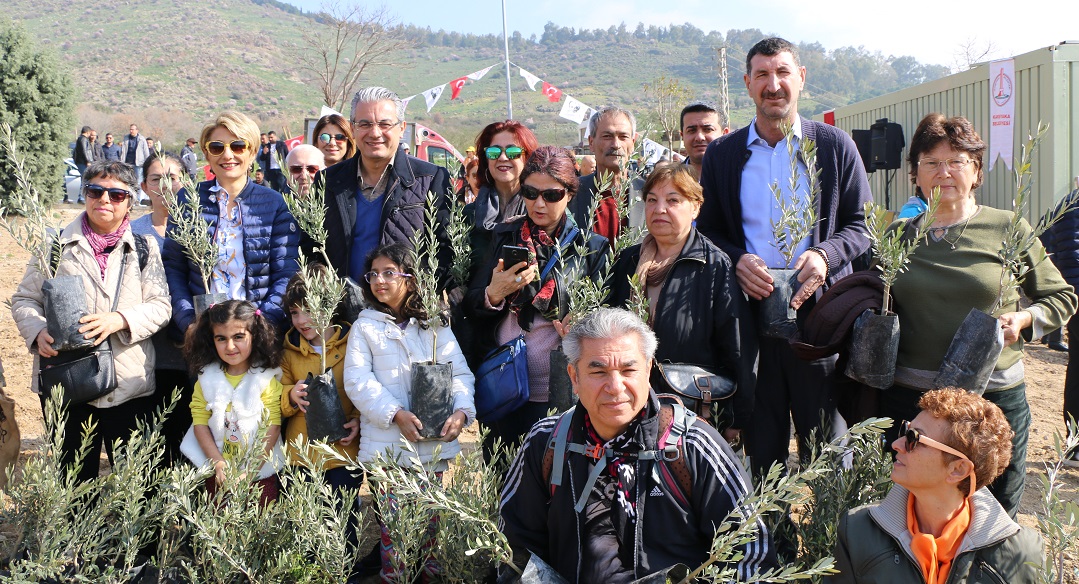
378	378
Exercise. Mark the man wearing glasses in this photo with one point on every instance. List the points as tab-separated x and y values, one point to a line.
939	523
303	163
379	196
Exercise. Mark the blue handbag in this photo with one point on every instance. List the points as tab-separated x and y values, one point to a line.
502	381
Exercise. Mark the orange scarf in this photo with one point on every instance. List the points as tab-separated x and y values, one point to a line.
935	554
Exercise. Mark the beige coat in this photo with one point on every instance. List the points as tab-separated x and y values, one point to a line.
144	304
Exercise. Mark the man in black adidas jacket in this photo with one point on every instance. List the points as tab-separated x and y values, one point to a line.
638	516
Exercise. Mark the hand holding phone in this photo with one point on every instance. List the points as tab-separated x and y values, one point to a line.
513	255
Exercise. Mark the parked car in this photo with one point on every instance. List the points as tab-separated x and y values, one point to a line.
72	181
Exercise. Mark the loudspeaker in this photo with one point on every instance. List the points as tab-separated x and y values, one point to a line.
886	145
862	140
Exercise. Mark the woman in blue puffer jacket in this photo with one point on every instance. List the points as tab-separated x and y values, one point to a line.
256	236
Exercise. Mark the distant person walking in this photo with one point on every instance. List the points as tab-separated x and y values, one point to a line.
134	150
190	158
110	150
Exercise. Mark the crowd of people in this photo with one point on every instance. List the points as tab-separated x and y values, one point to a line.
544	224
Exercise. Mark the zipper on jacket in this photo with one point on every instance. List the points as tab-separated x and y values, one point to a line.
984	567
398	209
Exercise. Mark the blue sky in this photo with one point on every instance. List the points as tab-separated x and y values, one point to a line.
931	31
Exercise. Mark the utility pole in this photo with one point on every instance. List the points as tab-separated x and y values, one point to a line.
506	44
724	96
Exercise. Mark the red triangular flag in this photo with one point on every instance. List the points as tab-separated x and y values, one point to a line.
456	85
553	93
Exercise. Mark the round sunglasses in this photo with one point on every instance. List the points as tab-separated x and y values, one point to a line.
512	152
217	147
550	195
326	137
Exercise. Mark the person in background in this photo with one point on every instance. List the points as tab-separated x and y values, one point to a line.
260	178
612	137
83	154
333	136
1061	242
275	174
134	150
110	150
587	165
470	187
699	127
190	159
303	163
99	154
939	523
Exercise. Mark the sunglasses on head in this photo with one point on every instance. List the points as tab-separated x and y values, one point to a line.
512	152
550	195
298	168
98	191
326	137
217	147
914	437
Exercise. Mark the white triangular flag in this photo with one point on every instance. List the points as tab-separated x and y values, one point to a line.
328	111
432	95
573	110
530	78
479	74
652	150
406	100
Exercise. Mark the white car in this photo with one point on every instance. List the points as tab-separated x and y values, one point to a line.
72	181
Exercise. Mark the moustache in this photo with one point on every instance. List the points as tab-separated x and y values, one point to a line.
776	95
615	152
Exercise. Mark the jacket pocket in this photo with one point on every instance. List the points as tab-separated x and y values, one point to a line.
884	562
988	574
403	208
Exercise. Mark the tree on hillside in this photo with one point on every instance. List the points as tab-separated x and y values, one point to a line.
349	38
36	100
667	97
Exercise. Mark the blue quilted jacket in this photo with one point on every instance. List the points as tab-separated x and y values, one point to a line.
271	241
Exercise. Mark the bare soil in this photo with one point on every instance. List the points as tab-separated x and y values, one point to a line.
1044	369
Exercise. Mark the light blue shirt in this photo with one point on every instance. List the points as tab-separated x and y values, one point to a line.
767	166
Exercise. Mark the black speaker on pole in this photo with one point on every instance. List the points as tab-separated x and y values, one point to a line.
862	139
886	145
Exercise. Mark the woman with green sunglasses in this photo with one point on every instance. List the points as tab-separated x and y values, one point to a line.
333	136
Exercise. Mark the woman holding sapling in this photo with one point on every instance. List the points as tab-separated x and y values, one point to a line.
385	343
694	303
958	268
126	301
256	237
523	286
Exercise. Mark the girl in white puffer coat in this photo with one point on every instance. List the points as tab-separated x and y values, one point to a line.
383	345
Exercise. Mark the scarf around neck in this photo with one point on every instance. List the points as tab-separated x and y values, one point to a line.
935	554
622	471
541	295
102	244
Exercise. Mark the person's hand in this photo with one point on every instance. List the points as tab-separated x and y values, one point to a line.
506	282
219	473
1013	324
813	271
409	425
44	344
452	428
297	394
99	326
733	436
753	276
353	427
562	326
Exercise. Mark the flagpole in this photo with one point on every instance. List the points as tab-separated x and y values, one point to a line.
506	43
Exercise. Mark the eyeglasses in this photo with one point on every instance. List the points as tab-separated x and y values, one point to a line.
367	125
914	437
298	168
98	191
550	195
387	276
326	137
953	164
217	147
512	152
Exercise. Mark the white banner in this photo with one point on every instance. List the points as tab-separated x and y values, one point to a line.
1001	111
479	74
328	111
652	150
431	96
573	110
530	78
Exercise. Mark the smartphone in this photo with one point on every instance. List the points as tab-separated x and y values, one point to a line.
513	255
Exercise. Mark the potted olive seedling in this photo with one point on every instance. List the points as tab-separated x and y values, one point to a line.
191	231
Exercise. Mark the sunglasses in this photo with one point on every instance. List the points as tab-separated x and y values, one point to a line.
550	195
98	191
217	147
298	168
914	438
512	152
326	138
387	276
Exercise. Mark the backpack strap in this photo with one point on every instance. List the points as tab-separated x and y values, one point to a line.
555	456
142	249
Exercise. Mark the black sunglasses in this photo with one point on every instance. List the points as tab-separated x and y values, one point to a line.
98	191
512	152
326	138
914	437
550	195
217	147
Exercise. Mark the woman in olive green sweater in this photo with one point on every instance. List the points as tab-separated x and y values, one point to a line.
957	269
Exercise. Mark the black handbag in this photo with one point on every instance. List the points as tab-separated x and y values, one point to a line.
697	387
85	374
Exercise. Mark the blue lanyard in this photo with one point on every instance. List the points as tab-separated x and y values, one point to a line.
568	237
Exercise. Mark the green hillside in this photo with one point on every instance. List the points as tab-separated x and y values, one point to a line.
168	65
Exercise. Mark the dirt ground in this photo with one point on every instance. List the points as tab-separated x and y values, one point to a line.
1044	368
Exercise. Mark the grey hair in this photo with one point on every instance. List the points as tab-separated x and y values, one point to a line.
608	323
376	94
610	110
306	148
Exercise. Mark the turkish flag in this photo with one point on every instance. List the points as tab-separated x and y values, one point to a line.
553	93
456	85
293	142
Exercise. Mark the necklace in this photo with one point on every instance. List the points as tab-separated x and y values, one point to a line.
941	233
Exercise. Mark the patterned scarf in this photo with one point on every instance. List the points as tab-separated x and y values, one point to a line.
621	471
543	296
102	244
651	272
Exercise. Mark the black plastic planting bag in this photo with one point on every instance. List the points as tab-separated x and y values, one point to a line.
560	388
432	400
203	302
973	354
777	319
325	415
874	346
65	303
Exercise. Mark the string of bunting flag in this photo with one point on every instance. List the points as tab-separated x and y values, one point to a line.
573	109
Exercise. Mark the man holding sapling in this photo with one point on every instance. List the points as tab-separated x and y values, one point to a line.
612	137
378	196
739	208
